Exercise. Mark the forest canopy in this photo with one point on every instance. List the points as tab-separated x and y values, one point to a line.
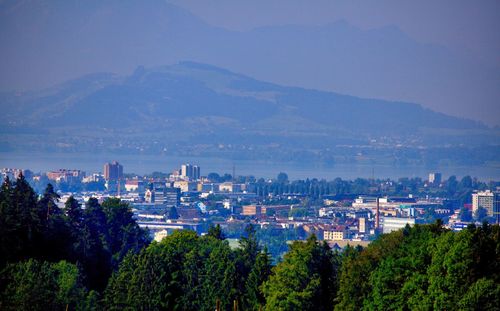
97	257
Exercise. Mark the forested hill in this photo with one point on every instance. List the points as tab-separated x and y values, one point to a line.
189	90
44	42
210	104
99	259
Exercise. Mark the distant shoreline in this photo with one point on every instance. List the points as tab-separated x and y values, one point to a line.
146	164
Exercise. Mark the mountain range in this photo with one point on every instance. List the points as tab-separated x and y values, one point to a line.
199	102
44	43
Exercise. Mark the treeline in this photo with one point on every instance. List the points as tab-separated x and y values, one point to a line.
97	258
73	185
452	188
424	268
188	272
57	256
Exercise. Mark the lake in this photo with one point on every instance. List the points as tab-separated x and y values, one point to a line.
142	164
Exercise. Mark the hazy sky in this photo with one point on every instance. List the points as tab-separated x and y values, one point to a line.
443	54
470	26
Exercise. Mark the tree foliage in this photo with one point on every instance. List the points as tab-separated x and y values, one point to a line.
305	280
185	272
424	268
35	285
96	238
98	258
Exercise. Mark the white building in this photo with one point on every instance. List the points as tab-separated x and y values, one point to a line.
390	224
488	200
231	187
160	235
435	178
190	172
335	234
484	199
186	186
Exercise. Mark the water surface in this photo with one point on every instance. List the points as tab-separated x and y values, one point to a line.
143	164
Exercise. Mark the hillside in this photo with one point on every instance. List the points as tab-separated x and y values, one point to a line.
43	43
188	90
194	109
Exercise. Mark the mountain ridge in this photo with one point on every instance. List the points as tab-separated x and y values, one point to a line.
192	109
45	42
166	90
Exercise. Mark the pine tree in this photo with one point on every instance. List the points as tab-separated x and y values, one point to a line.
27	226
249	248
246	255
122	231
73	212
57	239
8	222
254	298
47	204
91	246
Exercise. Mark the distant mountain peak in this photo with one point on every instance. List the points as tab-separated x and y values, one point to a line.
46	42
204	66
191	89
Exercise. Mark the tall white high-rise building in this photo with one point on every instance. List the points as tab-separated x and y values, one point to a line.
435	178
191	172
488	200
186	170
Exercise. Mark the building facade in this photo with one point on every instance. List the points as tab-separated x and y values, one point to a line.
390	224
113	171
334	234
191	172
435	178
488	200
66	175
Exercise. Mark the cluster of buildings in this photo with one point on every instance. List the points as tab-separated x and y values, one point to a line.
64	175
13	173
187	200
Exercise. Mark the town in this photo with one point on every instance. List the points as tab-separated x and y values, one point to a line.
339	212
